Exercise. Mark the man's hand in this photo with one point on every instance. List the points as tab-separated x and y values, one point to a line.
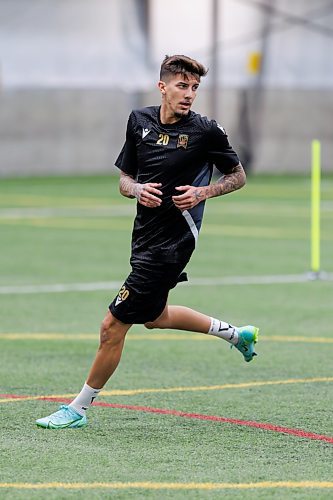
190	198
146	194
228	183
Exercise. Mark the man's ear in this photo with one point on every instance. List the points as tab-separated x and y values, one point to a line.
161	85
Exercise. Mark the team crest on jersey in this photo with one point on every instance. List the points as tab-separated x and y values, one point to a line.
122	295
182	141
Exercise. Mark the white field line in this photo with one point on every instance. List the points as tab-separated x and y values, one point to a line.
115	285
43	213
126	209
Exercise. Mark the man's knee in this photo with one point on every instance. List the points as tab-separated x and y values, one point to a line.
160	322
151	325
112	330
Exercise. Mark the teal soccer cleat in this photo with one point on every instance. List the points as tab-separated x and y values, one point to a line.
64	418
248	336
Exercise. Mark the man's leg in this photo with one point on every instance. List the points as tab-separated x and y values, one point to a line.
181	318
184	318
112	338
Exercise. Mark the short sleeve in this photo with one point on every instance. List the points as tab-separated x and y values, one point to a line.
220	153
127	159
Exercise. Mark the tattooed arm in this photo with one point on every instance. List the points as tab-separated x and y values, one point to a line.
226	184
144	193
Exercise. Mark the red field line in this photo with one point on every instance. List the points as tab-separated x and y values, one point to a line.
176	413
235	421
12	396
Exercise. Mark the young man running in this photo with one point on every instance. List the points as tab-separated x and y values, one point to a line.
166	164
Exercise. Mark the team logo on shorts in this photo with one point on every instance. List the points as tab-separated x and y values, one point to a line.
182	141
122	295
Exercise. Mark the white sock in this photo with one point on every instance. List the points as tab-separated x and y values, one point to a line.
223	331
83	400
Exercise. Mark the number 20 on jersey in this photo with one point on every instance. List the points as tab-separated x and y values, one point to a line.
163	139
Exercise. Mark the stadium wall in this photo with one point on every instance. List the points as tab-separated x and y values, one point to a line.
69	131
71	70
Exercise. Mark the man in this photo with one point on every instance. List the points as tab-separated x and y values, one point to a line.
166	164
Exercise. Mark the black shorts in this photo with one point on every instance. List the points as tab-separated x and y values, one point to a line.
144	295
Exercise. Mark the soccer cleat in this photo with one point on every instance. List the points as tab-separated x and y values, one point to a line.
248	336
65	417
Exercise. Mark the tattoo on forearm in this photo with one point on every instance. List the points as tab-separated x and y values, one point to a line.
227	183
198	194
128	186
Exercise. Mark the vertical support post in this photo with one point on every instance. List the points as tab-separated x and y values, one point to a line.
214	70
315	209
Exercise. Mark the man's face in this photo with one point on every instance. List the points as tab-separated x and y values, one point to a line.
178	93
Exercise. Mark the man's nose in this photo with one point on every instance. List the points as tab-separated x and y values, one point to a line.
189	94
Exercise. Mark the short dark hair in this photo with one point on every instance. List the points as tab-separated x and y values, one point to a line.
178	64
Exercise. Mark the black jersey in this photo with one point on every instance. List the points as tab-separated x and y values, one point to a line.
174	155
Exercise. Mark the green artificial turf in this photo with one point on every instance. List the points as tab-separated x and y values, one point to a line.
77	230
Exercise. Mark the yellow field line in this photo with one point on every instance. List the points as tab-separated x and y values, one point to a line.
157	336
254	232
171	486
132	392
97	224
294	338
49	336
242	385
24	398
265	232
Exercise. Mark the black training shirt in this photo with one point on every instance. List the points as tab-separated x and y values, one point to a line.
173	155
